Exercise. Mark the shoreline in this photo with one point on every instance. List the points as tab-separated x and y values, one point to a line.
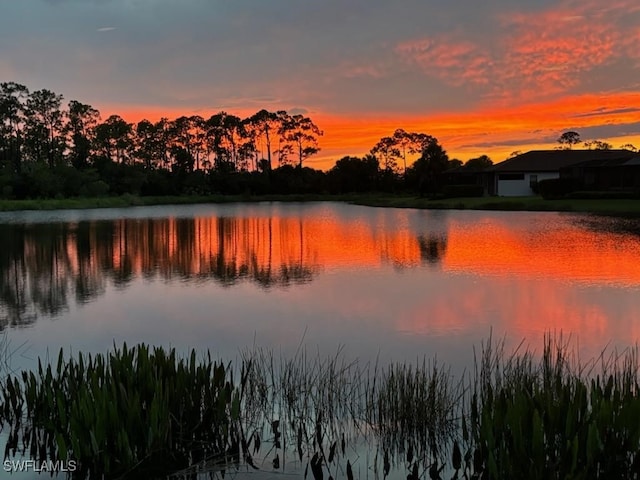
618	207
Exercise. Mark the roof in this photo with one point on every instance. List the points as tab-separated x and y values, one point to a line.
626	161
464	170
554	160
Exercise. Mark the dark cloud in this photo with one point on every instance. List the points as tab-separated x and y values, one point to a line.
606	111
586	134
609	131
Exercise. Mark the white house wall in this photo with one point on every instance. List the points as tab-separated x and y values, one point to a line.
521	188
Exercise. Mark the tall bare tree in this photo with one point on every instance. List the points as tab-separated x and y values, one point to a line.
81	123
45	124
263	128
114	139
12	122
302	134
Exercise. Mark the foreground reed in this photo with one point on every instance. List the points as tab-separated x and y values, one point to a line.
140	412
134	409
554	417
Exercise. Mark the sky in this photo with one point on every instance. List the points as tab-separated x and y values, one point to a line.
489	77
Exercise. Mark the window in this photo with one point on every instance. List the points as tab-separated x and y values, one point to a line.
511	176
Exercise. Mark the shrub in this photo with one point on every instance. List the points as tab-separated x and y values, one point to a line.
553	188
94	189
603	195
458	191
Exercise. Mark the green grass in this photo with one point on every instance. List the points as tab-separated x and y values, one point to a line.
135	201
601	206
630	207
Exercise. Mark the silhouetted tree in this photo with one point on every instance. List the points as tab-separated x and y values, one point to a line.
569	139
388	150
114	139
483	161
82	120
45	126
189	134
598	145
263	127
353	174
12	123
302	134
226	137
432	162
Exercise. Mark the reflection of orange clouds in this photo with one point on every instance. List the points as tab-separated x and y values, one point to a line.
525	308
584	256
543	282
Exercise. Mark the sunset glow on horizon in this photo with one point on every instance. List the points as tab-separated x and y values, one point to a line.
482	79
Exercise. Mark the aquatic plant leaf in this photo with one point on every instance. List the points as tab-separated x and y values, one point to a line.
300	443
387	465
316	466
332	452
456	456
256	442
434	471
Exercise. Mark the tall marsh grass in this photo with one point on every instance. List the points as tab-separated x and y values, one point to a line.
553	416
141	412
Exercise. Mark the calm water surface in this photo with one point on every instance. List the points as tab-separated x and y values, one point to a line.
392	284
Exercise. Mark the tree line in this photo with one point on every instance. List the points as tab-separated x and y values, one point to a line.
570	138
52	149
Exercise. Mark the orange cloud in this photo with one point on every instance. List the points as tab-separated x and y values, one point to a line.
457	62
493	129
536	55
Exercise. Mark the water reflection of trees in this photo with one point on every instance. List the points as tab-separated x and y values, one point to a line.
45	267
432	247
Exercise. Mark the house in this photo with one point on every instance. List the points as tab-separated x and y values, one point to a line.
519	175
464	175
620	173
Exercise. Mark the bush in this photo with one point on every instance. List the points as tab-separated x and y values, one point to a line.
41	182
604	195
97	188
459	191
554	188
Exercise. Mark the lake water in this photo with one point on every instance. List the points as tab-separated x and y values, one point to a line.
391	284
375	284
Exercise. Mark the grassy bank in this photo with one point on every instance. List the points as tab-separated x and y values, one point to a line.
601	206
136	201
627	207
